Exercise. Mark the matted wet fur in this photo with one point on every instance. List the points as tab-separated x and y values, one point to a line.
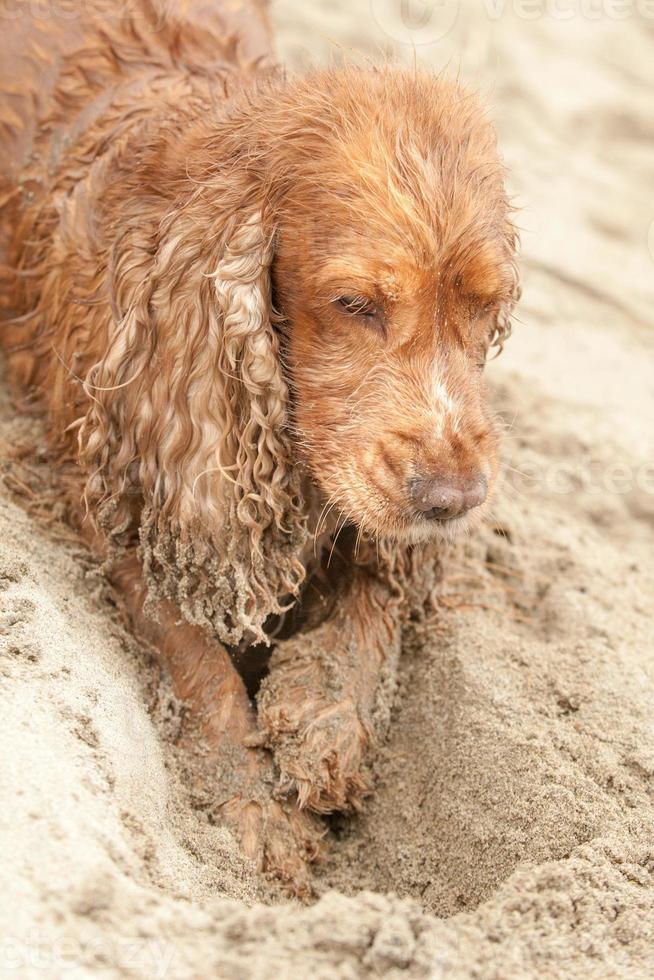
255	310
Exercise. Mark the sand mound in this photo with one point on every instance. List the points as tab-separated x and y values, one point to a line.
511	832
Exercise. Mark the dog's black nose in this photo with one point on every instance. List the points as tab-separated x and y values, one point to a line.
441	497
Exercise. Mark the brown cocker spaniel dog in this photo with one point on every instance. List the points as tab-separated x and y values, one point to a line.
255	310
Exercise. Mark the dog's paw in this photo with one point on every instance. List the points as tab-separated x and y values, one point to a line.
279	838
235	785
319	749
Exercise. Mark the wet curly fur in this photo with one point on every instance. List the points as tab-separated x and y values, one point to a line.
255	309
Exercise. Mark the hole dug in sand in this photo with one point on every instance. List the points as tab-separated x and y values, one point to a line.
512	812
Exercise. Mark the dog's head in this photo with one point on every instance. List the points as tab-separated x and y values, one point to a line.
311	280
394	274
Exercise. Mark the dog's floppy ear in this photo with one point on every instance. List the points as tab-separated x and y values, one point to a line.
503	322
186	431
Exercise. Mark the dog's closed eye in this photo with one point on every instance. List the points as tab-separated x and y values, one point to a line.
484	306
361	307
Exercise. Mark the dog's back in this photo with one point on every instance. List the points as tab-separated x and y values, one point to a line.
57	64
72	89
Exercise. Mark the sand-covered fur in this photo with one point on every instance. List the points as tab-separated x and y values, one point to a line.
254	310
513	810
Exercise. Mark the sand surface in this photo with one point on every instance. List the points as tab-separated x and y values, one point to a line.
512	831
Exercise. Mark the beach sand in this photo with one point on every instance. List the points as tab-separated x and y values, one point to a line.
511	834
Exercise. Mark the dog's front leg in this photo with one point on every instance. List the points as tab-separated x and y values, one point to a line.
235	778
328	694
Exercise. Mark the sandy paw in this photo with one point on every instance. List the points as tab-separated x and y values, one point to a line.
281	840
319	751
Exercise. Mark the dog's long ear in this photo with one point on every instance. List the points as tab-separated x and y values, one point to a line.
503	321
186	431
